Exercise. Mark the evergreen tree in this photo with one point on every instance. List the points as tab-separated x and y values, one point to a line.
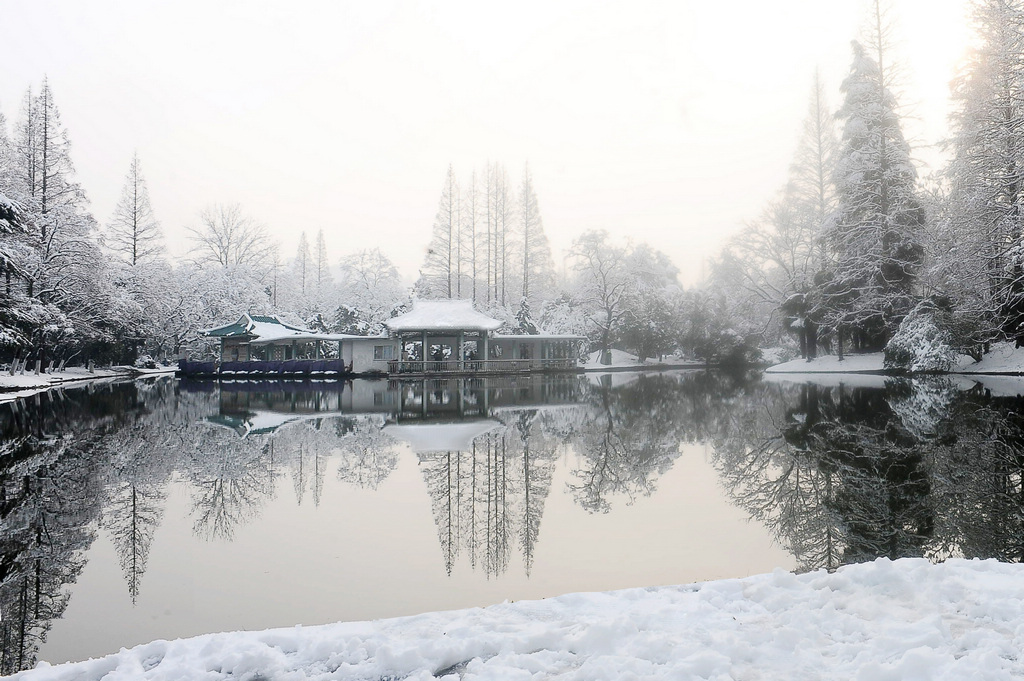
439	276
468	241
322	264
538	265
303	264
500	211
6	157
64	298
979	261
874	238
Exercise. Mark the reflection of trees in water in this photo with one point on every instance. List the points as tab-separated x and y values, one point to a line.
231	478
143	453
366	454
631	434
485	498
846	474
50	498
979	480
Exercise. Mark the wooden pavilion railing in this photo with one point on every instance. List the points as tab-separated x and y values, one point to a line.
479	366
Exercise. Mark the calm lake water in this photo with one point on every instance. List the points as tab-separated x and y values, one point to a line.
163	508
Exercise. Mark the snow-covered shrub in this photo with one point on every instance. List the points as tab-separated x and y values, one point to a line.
735	350
145	362
922	342
777	355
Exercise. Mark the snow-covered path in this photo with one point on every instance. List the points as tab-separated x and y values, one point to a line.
907	619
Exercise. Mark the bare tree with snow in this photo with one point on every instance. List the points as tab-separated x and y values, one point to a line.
133	233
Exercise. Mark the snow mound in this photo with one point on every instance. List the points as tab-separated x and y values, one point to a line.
881	620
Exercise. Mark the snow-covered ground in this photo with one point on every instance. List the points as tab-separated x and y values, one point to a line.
906	619
624	360
869	362
23	385
1004	358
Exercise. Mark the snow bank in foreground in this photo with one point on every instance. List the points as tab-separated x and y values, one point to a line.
884	620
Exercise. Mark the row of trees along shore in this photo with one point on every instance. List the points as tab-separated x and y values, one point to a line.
855	253
76	289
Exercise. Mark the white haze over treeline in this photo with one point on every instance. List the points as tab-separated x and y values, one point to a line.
858	240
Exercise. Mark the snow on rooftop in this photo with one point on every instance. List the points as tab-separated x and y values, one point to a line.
268	329
905	619
441	437
443	315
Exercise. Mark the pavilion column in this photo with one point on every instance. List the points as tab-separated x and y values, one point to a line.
461	340
486	353
424	350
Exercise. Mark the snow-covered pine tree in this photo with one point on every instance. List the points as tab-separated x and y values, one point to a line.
63	226
874	237
979	258
500	208
302	265
504	225
439	275
538	265
322	289
6	157
468	239
322	263
62	264
133	233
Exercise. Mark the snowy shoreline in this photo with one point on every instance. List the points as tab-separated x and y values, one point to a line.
28	384
1003	360
886	619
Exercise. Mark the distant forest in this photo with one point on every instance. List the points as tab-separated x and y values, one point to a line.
855	253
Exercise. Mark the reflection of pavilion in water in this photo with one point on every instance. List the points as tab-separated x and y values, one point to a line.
264	404
486	447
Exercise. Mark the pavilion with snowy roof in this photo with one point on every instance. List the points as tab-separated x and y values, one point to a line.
266	338
451	336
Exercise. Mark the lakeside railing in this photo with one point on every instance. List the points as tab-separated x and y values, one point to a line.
315	368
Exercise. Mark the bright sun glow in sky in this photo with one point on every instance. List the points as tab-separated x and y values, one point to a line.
670	122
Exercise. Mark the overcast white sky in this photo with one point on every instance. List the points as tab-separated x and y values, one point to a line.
667	122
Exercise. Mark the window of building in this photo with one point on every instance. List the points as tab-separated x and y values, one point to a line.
383	352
